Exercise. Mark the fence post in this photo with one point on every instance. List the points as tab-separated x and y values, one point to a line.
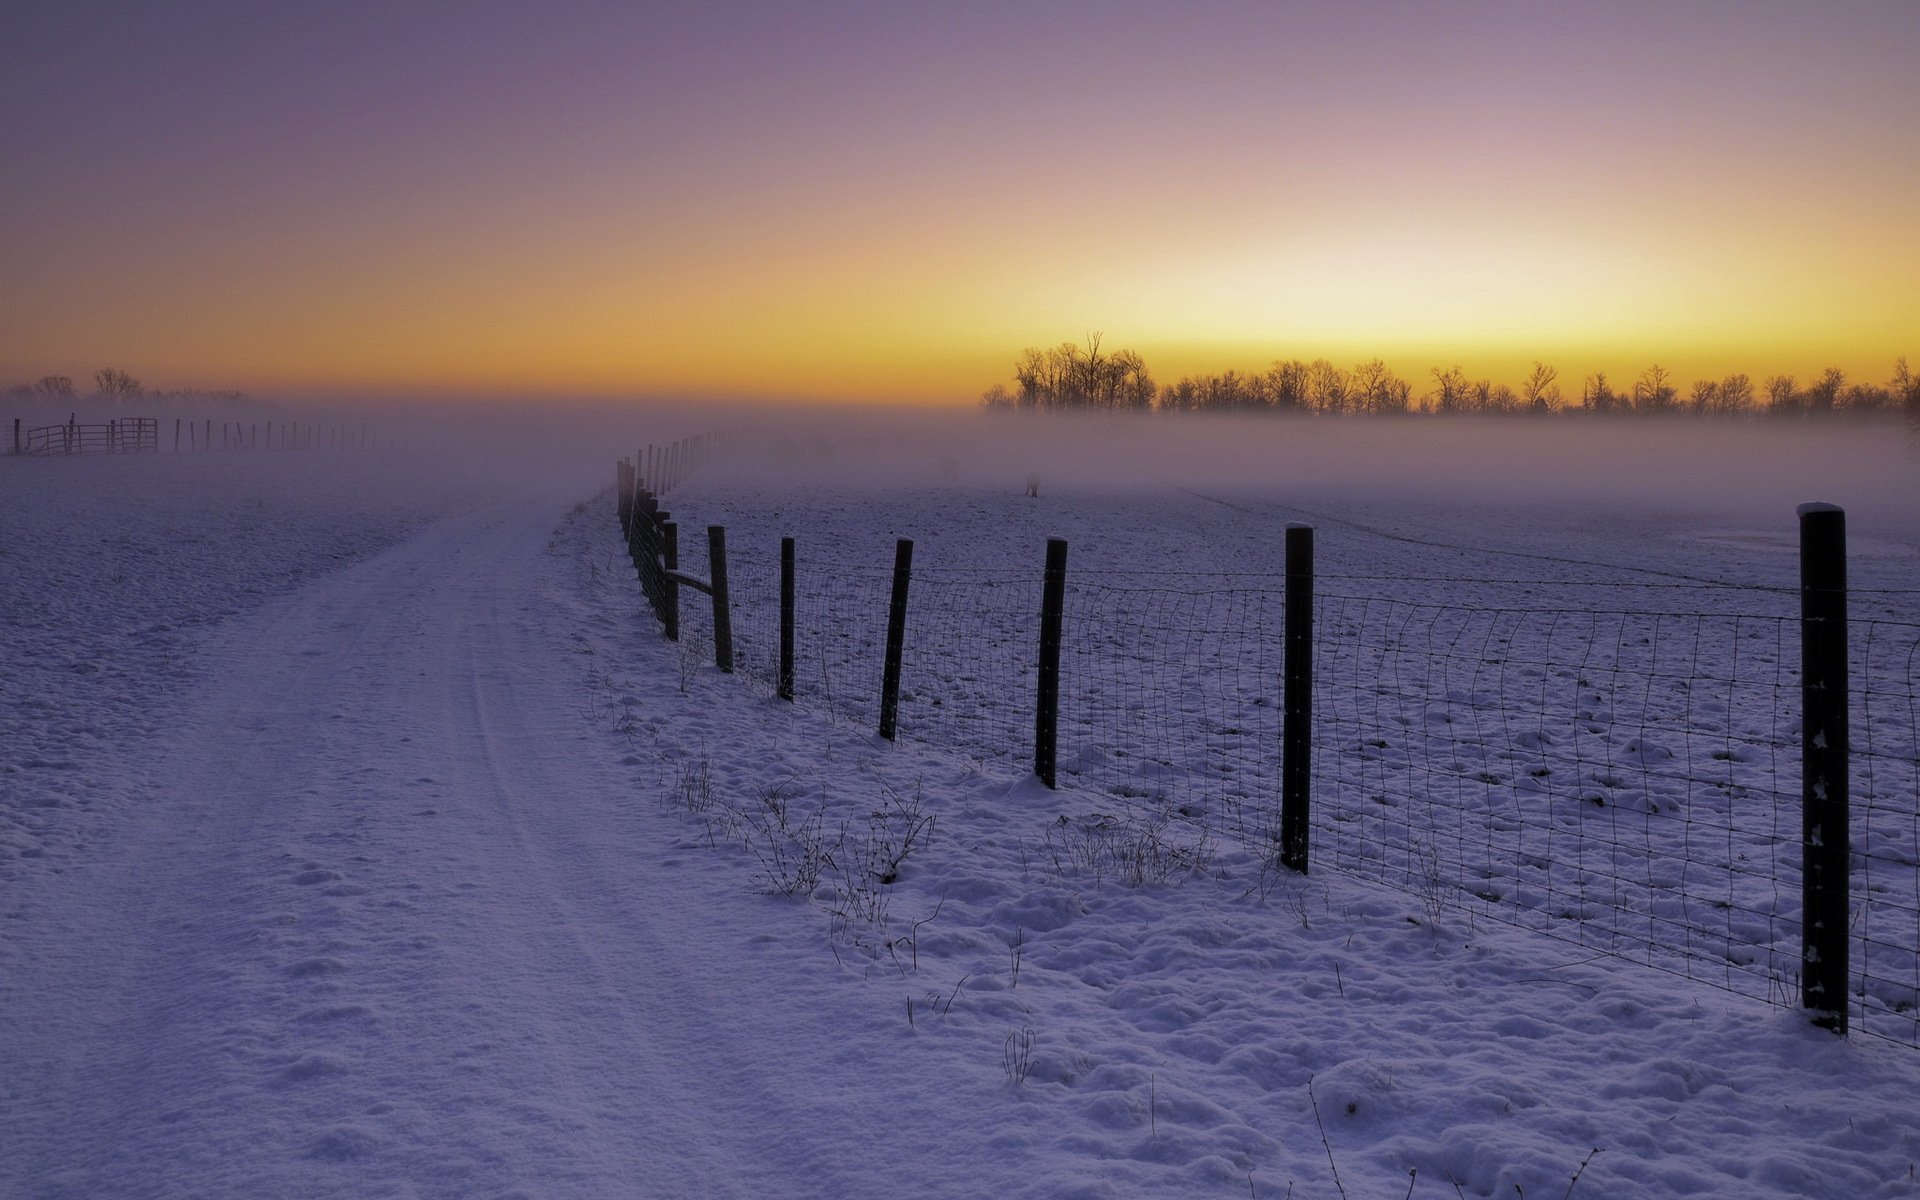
896	639
643	546
785	685
1046	709
623	497
669	587
1296	723
722	612
1825	840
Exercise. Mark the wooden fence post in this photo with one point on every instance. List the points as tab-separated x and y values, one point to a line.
722	611
670	587
1046	709
623	499
896	639
785	683
1296	723
1825	843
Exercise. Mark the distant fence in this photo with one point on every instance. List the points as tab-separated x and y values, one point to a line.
1723	788
127	435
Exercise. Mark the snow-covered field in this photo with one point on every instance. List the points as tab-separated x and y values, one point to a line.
360	837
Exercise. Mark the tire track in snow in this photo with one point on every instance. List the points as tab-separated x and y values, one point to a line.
371	936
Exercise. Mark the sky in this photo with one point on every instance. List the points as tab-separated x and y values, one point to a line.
888	201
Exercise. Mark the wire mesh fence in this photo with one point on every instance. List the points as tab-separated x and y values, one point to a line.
1624	777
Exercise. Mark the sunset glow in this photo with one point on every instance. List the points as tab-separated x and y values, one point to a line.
887	201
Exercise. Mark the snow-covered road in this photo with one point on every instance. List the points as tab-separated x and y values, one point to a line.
384	925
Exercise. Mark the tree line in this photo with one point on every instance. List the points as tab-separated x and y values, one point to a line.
1070	377
114	386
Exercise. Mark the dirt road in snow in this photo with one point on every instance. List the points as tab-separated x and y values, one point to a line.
389	921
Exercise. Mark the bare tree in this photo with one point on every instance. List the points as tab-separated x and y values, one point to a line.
1180	397
1735	395
1866	398
1329	389
1597	395
1451	395
1783	395
1705	396
1133	384
1905	386
1824	395
1285	386
1653	392
54	387
1538	392
115	384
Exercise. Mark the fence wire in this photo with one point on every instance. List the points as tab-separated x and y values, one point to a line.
1625	779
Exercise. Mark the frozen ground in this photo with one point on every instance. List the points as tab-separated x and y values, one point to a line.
358	837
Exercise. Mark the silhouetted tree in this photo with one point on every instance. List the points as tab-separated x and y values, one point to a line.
1735	396
1329	389
1538	392
54	387
1450	394
1905	386
115	384
1705	396
1597	395
1824	394
1286	387
1866	398
1376	389
1783	396
1653	392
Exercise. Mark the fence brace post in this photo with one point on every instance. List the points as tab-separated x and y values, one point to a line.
896	639
1046	709
785	685
1296	723
1825	839
722	612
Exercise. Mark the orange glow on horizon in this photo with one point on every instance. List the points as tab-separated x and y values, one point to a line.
794	213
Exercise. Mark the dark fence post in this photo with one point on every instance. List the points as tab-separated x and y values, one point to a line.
623	485
1825	839
722	612
16	435
669	587
1046	709
785	685
896	639
1296	723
